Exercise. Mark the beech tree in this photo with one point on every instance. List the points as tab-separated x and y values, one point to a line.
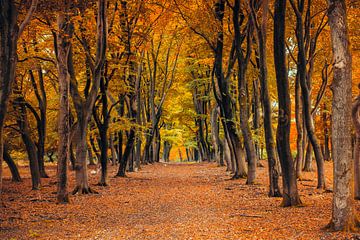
84	106
290	191
343	211
63	47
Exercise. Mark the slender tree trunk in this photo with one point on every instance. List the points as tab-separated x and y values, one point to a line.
356	121
274	190
113	152
104	158
327	156
256	118
309	122
290	191
243	95
215	135
299	129
40	118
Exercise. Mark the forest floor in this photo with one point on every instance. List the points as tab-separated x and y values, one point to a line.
167	201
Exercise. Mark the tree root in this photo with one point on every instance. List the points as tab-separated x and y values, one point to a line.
102	184
84	190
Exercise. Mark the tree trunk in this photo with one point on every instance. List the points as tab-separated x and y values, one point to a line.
290	191
243	96
215	135
82	184
274	190
10	32
299	128
308	158
64	147
343	212
94	149
22	120
327	156
256	120
84	107
40	118
227	156
104	158
306	97
90	156
12	166
166	152
113	152
356	121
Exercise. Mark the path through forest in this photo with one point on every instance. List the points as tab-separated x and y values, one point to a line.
167	201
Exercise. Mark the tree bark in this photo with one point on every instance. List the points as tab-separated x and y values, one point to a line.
306	97
84	107
299	128
12	166
274	190
64	147
23	123
40	118
356	120
343	212
242	86
290	191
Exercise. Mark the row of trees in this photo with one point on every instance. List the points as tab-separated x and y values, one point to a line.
112	65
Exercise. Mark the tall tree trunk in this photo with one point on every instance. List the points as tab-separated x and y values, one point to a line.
40	118
64	147
327	156
306	97
299	128
223	97
243	96
343	212
215	136
356	120
256	118
274	190
290	191
84	107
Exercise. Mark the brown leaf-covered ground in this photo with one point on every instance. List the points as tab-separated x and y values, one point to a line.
167	201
